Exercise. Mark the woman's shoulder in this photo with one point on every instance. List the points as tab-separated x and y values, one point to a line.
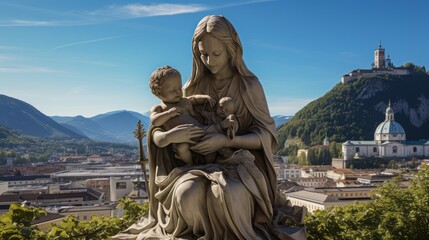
251	82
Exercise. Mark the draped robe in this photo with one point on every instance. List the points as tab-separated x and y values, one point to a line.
236	195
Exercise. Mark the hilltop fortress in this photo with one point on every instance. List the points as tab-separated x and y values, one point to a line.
381	66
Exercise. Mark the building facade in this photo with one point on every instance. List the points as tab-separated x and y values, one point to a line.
389	142
381	66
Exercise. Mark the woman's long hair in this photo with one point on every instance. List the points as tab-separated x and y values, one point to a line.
222	29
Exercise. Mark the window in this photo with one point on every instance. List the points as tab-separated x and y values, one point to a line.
374	149
121	185
395	149
414	149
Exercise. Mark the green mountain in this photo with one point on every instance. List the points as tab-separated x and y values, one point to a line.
353	111
27	120
8	134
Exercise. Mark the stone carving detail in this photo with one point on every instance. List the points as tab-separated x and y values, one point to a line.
199	190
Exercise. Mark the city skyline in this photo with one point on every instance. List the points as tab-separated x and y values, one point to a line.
86	58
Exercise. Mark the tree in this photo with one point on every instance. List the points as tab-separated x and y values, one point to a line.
312	157
16	224
392	164
99	228
324	157
395	213
335	149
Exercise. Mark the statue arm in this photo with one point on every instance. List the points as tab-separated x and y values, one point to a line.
213	142
159	118
180	134
249	141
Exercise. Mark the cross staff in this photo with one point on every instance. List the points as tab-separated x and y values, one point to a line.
140	133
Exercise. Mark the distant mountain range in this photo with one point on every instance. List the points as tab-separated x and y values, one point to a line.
27	120
116	126
20	118
280	120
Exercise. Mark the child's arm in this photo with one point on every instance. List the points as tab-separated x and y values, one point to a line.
159	118
201	99
230	123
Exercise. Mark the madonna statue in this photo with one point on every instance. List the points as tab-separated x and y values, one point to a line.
235	197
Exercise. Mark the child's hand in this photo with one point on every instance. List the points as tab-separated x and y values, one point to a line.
231	126
209	100
174	112
202	99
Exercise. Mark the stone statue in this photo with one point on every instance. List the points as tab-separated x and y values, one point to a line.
235	196
174	110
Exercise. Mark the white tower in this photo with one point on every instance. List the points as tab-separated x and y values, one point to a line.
379	57
326	141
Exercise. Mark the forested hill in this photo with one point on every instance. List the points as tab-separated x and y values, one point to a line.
27	120
352	111
6	133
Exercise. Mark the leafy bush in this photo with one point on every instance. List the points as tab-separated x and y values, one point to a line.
16	224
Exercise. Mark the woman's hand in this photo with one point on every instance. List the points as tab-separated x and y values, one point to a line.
185	133
210	144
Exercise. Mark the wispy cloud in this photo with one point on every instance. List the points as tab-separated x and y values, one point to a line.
287	106
51	23
28	69
235	4
85	42
138	10
114	12
25	23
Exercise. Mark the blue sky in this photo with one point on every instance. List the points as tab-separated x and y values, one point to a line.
80	57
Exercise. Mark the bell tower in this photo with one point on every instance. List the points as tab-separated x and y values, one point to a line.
379	57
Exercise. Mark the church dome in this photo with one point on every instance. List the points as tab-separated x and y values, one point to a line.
390	127
389	130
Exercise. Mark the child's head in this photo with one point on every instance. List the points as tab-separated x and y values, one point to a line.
226	107
166	83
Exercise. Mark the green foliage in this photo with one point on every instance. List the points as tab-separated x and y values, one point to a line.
16	224
96	229
312	157
395	213
392	164
335	149
415	70
323	157
369	163
353	110
132	210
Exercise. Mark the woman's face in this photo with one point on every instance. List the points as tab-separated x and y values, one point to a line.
214	55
